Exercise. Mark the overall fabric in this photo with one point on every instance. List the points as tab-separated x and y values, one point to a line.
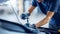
50	5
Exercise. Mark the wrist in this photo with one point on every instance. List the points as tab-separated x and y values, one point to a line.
27	13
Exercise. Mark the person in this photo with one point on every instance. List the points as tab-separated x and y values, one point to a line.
50	8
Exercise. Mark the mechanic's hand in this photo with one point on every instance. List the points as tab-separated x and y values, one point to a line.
58	30
24	15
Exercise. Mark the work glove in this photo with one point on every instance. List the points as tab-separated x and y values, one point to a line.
25	15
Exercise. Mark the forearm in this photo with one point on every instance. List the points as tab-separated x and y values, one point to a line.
42	22
31	8
45	20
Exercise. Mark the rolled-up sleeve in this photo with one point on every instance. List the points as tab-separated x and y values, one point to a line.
53	6
34	3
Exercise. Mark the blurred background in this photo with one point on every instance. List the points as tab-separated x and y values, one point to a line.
12	9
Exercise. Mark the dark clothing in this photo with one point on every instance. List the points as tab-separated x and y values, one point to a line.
50	5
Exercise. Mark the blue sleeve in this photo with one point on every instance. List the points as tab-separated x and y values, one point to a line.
34	3
53	6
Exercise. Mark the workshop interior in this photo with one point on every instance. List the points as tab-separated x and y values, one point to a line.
11	22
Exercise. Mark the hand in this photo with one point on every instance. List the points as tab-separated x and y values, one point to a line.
24	15
58	30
